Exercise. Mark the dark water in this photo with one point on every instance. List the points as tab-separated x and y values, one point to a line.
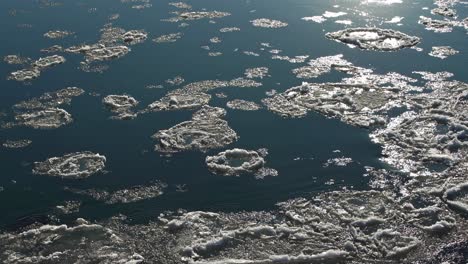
127	144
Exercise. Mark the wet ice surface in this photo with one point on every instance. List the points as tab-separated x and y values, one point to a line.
266	102
268	23
57	34
234	162
374	38
34	70
74	165
14	144
16	59
206	130
121	105
259	72
173	37
442	52
130	195
43	112
240	104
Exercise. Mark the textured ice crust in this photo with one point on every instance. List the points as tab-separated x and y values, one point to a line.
121	105
439	26
415	212
81	243
333	99
34	70
259	72
234	162
442	52
207	130
58	34
180	100
113	44
196	15
77	165
323	65
374	38
49	118
44	112
239	104
123	196
425	140
17	144
195	95
268	23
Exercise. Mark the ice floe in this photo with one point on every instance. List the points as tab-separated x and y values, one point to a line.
16	59
374	38
268	23
439	26
16	144
77	165
121	105
127	195
259	72
207	130
443	52
34	71
113	44
239	104
69	207
169	38
48	118
234	162
83	242
43	112
180	100
229	29
58	34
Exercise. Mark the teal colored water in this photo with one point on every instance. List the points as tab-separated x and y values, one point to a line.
297	147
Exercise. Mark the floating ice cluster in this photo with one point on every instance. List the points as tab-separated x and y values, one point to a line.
128	195
374	38
239	104
121	105
339	100
16	59
341	162
113	44
16	144
438	120
268	23
443	52
414	212
83	242
234	162
77	165
259	72
49	118
57	34
180	5
179	100
169	38
196	15
43	112
138	4
324	65
134	37
444	11
439	26
207	130
195	95
36	67
229	29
